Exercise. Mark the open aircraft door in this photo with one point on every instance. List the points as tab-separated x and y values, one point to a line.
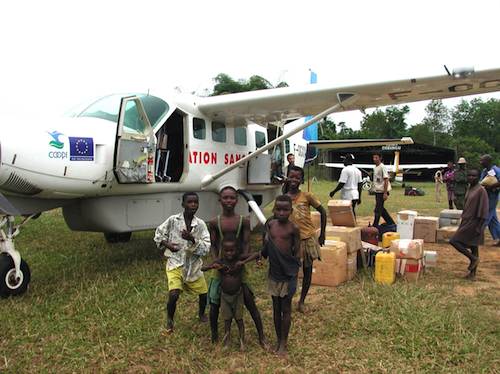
135	144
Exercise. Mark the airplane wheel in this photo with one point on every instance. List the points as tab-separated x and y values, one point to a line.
117	237
9	285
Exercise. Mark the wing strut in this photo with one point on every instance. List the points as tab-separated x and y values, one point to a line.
343	98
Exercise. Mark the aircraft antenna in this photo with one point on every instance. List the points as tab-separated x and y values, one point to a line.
447	71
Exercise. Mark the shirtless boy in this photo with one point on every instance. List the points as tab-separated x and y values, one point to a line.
231	299
230	226
282	247
301	216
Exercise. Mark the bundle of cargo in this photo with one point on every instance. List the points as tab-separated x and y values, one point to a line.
349	235
332	269
430	259
406	223
340	212
369	234
371	252
444	234
409	257
425	228
449	217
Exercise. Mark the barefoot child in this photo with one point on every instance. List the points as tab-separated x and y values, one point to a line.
231	226
185	240
231	299
301	216
282	248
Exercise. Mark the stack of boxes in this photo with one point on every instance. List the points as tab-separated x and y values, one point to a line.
339	254
343	241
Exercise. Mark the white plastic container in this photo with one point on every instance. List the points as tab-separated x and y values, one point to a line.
430	258
406	223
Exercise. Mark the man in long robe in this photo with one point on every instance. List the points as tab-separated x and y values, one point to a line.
474	215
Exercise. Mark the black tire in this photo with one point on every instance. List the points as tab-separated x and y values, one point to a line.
117	237
8	287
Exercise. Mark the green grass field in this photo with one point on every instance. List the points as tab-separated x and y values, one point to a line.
96	307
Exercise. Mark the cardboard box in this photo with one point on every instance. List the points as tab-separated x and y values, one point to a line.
425	228
406	222
349	235
410	269
341	214
332	269
408	248
444	234
449	217
352	265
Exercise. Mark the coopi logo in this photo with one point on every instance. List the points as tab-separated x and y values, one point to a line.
56	143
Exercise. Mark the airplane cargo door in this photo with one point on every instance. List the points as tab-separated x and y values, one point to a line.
135	144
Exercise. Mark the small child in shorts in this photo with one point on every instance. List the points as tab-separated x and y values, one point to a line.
231	268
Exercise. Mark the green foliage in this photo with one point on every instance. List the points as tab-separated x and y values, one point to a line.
478	119
224	84
390	123
472	148
437	119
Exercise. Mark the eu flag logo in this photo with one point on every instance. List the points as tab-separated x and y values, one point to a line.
81	149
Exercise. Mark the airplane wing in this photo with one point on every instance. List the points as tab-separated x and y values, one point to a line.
286	103
351	143
422	166
341	166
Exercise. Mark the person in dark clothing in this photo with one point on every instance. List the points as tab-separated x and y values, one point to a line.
460	183
282	247
449	179
474	215
490	180
381	187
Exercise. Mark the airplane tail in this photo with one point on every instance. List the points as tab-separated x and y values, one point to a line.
311	132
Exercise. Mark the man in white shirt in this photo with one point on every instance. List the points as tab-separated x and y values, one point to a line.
381	187
350	183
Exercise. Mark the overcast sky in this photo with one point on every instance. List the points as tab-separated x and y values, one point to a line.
56	54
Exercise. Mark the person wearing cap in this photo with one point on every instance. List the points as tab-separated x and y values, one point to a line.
460	183
350	183
490	180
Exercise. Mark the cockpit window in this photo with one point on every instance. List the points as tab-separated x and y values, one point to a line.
108	107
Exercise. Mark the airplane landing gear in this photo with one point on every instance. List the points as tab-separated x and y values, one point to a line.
15	273
117	237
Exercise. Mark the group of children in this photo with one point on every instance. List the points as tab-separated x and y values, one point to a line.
289	239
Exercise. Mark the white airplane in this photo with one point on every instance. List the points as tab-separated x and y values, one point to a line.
121	163
397	169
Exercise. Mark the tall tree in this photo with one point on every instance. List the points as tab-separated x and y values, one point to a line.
437	119
390	123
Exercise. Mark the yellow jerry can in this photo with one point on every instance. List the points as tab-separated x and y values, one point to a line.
388	237
385	267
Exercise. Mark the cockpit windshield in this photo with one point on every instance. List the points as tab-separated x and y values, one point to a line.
108	108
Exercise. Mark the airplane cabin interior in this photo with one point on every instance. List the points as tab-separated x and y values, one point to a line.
170	149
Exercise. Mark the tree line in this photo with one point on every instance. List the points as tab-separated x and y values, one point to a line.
471	128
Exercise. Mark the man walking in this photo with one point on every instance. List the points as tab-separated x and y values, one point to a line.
460	183
381	187
490	180
466	239
350	183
